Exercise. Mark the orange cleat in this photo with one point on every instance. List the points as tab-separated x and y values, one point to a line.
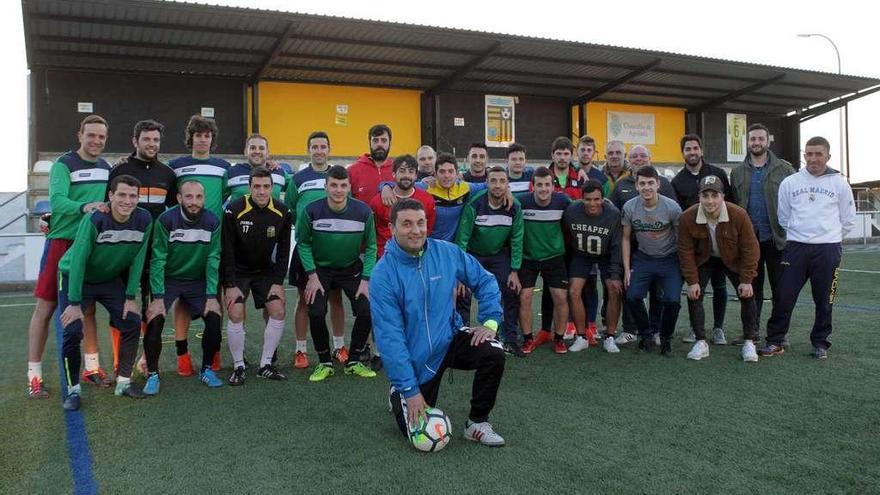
559	347
301	360
543	337
216	363
341	355
185	366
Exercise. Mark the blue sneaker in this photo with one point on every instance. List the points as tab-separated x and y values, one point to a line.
152	385
210	379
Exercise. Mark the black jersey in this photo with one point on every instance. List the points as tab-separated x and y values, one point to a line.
158	189
256	241
597	238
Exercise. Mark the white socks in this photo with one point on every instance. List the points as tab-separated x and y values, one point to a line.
235	338
271	338
35	369
91	361
301	346
338	342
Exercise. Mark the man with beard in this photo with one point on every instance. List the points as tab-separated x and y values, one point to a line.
687	185
256	149
404	176
519	177
427	158
184	268
755	186
493	234
477	157
372	168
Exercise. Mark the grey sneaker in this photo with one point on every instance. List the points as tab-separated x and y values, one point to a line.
482	433
719	338
819	353
690	337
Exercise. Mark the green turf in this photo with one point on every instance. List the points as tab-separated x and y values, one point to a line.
626	423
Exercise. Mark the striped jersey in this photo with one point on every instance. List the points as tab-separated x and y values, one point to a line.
485	230
158	190
105	249
185	250
239	176
523	183
211	173
304	187
542	226
336	239
74	182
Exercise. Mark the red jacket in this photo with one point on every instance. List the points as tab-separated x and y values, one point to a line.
573	185
365	177
382	218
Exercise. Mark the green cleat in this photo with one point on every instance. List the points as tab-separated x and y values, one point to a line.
322	372
358	368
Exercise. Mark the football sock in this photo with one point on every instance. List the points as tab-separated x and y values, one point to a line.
35	369
338	342
557	337
92	362
271	338
74	389
300	346
527	337
235	336
182	346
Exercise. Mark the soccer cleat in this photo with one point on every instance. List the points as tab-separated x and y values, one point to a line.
237	377
771	350
216	363
513	349
271	372
185	366
559	347
209	378
71	402
646	344
358	369
570	331
625	338
152	385
666	348
579	344
96	377
819	352
699	351
718	337
529	346
129	390
300	360
609	345
341	355
543	337
482	433
749	354
592	331
36	390
690	337
322	372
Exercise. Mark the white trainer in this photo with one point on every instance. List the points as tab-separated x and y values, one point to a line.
718	338
482	433
699	351
750	355
690	337
579	344
625	338
609	345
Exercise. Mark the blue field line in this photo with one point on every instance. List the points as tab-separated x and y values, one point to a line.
78	452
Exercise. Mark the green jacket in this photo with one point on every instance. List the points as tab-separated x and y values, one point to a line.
741	179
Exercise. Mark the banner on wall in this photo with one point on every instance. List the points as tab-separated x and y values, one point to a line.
631	128
500	129
736	137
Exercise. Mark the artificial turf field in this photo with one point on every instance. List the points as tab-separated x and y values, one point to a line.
585	422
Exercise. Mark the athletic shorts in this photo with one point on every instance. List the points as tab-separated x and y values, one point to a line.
47	281
582	267
190	293
258	283
551	270
297	275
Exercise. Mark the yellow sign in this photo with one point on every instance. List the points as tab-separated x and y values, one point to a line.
500	128
736	137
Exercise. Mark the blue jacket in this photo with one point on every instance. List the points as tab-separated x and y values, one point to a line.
412	305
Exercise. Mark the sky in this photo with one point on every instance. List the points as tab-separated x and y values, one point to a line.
749	31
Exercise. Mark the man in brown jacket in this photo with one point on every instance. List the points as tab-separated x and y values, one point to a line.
717	236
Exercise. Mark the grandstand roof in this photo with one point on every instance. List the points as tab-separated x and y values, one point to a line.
150	36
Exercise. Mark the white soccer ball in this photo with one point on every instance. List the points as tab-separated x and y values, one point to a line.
433	431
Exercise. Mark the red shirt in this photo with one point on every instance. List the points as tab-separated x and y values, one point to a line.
573	184
365	177
382	218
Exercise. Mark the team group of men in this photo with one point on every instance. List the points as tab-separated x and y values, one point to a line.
201	235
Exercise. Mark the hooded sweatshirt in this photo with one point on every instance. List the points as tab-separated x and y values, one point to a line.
816	210
366	175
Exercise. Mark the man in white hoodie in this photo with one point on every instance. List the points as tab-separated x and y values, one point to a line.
816	209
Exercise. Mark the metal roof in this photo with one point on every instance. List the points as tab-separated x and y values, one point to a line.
160	37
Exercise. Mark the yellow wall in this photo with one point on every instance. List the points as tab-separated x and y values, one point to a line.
289	112
668	124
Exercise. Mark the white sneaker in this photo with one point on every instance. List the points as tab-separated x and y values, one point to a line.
609	345
625	338
750	355
579	344
718	338
699	351
657	339
482	433
690	337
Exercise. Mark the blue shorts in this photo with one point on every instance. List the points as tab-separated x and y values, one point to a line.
190	292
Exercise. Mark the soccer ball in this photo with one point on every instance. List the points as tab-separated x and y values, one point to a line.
432	433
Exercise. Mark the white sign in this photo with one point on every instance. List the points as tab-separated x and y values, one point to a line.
85	107
342	109
458	121
208	112
631	128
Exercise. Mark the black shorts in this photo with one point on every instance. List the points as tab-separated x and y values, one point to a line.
297	274
582	267
190	293
259	284
551	270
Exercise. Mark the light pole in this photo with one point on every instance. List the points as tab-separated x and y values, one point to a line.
844	145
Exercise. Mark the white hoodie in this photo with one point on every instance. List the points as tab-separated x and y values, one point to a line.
816	210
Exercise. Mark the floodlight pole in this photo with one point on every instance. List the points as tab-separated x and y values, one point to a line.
844	113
